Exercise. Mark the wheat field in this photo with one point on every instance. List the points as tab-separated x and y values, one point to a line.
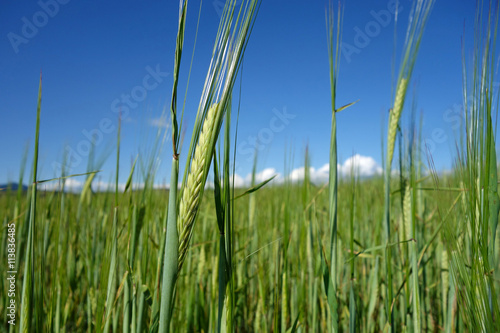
411	249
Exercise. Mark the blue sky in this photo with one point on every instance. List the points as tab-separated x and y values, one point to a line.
97	58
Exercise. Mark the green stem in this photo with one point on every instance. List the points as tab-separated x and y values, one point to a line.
171	253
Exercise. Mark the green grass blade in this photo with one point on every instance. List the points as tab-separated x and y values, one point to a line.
27	298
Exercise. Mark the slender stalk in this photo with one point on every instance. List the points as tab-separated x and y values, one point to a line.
170	256
417	21
333	57
171	253
29	269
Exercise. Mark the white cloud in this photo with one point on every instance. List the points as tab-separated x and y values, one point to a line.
238	180
316	176
101	186
162	186
245	182
298	174
321	175
262	176
364	166
159	122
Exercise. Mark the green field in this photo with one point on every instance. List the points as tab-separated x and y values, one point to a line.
412	249
278	240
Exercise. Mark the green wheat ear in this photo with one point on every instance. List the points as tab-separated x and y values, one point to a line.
395	115
191	196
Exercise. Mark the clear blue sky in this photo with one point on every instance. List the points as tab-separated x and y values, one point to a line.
94	55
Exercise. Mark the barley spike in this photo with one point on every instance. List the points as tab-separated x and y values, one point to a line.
394	117
191	195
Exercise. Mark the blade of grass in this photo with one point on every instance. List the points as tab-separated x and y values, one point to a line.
27	298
